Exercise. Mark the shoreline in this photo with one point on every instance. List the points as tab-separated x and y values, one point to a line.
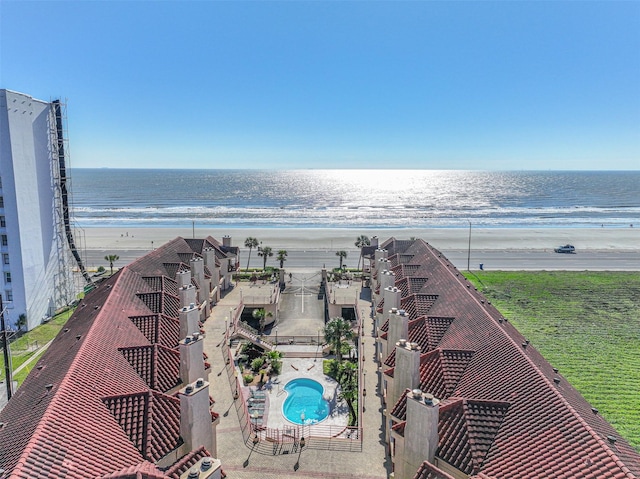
583	238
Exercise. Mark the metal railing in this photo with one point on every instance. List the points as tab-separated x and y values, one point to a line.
287	440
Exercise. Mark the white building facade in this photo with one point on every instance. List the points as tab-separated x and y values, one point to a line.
37	260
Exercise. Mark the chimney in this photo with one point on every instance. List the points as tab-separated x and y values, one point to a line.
205	468
183	278
191	358
374	242
421	431
398	329
196	426
226	241
209	255
391	296
187	295
407	370
380	254
188	317
197	271
387	279
380	320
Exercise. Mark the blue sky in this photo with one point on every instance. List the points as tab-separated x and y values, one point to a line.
329	84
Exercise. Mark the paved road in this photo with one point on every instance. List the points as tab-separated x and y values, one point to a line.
491	259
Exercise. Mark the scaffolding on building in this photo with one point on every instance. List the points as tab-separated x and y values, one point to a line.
65	289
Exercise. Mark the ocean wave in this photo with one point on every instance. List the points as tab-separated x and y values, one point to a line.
339	198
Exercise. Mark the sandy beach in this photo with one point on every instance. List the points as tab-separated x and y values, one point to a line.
596	239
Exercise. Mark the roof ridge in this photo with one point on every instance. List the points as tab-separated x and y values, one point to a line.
544	378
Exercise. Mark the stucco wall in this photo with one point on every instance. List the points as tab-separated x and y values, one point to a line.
25	167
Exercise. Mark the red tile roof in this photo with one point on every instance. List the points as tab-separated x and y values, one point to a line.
468	429
426	332
157	365
158	328
441	370
144	470
186	463
402	271
549	429
418	304
85	410
160	302
410	285
429	471
150	419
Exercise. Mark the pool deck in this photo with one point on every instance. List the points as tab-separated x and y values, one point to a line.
302	368
240	461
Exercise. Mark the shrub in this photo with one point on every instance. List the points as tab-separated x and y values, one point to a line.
247	378
256	364
276	367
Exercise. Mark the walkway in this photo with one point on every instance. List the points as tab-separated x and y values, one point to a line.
239	461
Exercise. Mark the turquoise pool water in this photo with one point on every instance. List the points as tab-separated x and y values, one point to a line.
304	403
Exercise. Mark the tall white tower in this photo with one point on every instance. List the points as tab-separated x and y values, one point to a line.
36	244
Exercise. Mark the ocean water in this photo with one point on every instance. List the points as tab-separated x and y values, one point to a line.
353	198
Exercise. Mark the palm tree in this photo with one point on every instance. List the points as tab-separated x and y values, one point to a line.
361	242
282	257
337	332
111	258
274	359
261	315
342	254
250	243
265	252
349	389
22	322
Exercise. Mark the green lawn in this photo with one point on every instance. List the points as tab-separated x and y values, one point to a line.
27	346
587	324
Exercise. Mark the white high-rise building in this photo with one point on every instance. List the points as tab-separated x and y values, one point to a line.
36	243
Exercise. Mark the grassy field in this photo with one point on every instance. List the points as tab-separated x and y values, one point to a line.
28	346
587	324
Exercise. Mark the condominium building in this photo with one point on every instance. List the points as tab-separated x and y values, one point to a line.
36	242
123	391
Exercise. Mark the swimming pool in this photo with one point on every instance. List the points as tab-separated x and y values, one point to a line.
304	403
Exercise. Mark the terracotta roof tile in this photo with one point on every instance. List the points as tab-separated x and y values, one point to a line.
441	370
161	302
186	463
399	427
158	328
410	285
157	365
57	425
417	304
403	271
467	430
385	326
399	410
150	419
144	470
426	332
162	283
429	471
549	430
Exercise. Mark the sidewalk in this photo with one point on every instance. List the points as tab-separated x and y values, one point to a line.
239	461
